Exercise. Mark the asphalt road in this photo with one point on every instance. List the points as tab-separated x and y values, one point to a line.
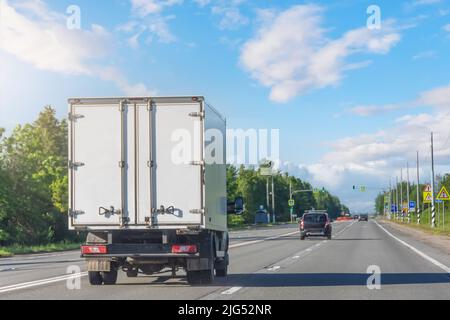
266	264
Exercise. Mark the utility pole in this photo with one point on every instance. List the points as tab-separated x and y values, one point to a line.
290	198
390	198
401	193
407	192
268	200
396	198
433	208
273	200
418	191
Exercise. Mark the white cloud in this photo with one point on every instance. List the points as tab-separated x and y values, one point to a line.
418	3
202	3
46	43
430	54
436	98
143	8
149	22
439	97
38	36
371	110
446	27
292	55
232	18
373	159
114	75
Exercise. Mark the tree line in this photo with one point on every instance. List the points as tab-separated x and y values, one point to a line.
34	185
442	181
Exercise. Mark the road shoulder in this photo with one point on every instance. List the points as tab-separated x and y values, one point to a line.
439	242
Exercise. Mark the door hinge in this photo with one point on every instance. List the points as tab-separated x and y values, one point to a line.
122	107
150	164
197	163
150	106
74	117
122	164
197	211
197	114
74	165
75	213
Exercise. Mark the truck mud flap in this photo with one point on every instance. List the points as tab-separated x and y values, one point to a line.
198	264
99	265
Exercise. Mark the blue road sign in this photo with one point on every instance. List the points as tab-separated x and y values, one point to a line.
439	201
393	208
412	204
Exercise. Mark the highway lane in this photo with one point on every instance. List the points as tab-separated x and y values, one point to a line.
265	264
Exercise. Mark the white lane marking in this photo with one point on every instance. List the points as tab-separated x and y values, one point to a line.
41	282
420	253
296	257
232	290
274	268
262	240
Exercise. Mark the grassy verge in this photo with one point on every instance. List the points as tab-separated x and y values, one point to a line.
443	224
54	247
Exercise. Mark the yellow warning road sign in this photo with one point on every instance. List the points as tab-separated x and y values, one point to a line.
443	195
427	197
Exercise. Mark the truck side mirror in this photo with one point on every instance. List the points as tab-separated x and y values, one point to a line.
236	206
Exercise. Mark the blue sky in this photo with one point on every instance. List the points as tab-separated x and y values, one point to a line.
352	104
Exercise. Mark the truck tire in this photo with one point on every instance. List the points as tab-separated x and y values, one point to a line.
222	267
110	277
222	273
95	278
132	273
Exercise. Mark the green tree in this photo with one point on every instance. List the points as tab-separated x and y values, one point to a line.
33	160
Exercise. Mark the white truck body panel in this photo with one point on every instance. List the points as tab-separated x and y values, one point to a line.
126	158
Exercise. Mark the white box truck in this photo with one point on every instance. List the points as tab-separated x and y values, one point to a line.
147	182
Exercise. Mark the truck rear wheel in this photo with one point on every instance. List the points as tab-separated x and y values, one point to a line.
200	277
222	267
110	277
95	278
132	273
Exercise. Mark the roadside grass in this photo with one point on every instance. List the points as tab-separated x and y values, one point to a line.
425	222
10	251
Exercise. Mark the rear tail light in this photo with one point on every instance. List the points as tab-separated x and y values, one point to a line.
93	249
178	248
302	224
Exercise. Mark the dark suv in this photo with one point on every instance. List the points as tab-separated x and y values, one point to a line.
364	217
315	224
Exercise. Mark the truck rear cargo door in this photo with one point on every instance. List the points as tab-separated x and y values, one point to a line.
178	170
96	165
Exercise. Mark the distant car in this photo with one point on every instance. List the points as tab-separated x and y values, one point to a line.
315	224
356	217
364	217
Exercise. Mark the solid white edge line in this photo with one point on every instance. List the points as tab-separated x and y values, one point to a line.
420	253
231	290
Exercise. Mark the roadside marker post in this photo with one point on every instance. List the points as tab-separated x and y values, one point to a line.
443	196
